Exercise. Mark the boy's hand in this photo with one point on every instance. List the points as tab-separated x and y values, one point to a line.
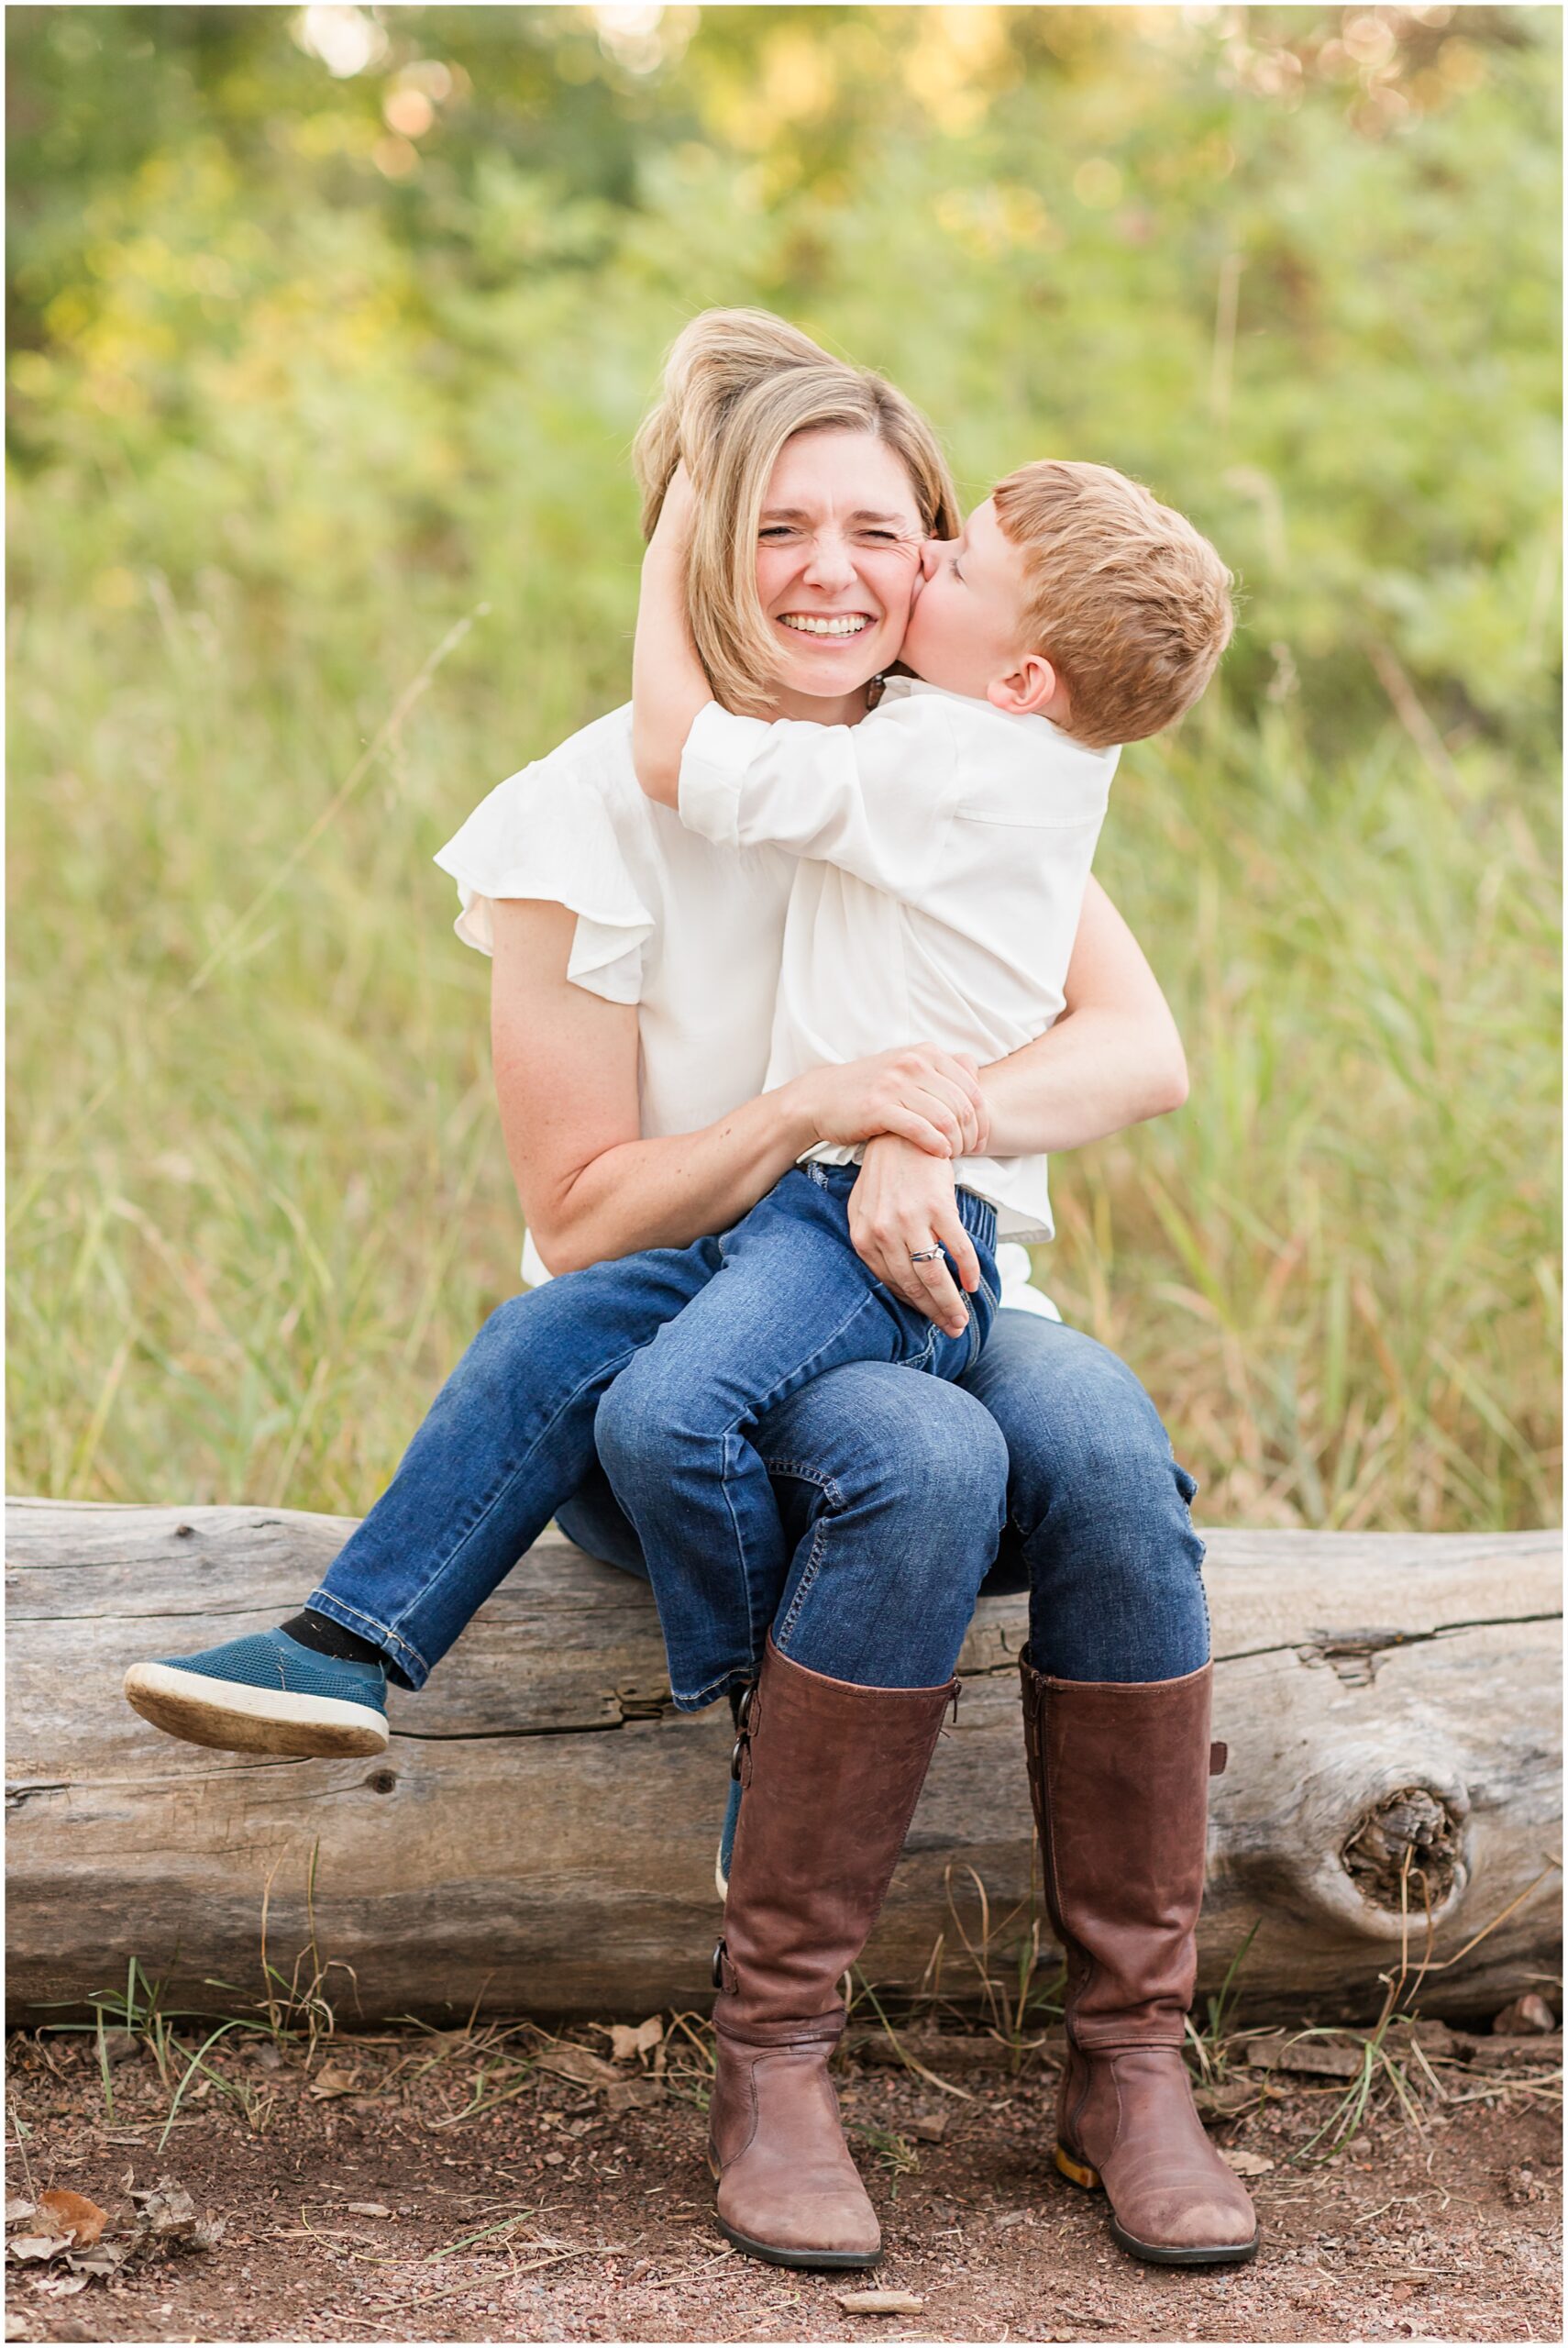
669	687
902	1204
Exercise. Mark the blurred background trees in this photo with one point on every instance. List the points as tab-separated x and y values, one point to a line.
329	332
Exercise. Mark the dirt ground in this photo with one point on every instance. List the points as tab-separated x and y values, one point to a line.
449	2187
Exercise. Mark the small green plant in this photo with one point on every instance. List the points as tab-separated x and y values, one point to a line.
1020	2004
140	2010
689	2069
1210	2044
293	2009
910	2062
1379	2060
889	2148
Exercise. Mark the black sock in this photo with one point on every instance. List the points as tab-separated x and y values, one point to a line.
324	1637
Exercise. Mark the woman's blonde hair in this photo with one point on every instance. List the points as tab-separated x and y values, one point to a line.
738	386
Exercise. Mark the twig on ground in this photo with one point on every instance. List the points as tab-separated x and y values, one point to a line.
490	2282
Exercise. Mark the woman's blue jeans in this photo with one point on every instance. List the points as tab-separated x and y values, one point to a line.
1046	1467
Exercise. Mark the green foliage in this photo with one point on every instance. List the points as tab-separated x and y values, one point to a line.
308	368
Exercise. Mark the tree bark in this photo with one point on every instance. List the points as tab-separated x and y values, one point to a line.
539	1836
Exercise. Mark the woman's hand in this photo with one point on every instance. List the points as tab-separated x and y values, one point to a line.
903	1203
925	1095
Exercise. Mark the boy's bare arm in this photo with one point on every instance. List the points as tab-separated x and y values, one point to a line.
668	688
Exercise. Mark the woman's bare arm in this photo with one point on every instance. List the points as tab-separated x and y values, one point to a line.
1112	1058
566	1076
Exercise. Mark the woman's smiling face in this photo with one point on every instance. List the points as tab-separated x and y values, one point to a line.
838	554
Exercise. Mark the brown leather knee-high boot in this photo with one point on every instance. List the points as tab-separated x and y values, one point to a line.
1120	1775
832	1773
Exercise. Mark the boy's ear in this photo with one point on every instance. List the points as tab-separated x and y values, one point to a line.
1025	689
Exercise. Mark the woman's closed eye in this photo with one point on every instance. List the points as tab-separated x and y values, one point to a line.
774	531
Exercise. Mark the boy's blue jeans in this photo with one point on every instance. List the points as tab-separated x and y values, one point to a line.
790	1299
895	1493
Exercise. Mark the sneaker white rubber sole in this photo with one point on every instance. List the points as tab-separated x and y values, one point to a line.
235	1718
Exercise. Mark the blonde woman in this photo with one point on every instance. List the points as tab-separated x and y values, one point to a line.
634	969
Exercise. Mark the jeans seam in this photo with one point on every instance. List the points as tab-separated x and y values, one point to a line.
830	1487
384	1632
738	1536
708	1695
509	1476
806	1583
807	1474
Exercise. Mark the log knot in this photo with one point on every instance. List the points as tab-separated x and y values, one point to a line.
1412	1829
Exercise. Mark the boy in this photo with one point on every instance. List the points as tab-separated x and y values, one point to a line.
945	841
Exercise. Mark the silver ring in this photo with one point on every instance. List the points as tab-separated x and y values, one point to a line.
924	1255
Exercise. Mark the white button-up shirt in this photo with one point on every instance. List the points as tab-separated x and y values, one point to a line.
945	849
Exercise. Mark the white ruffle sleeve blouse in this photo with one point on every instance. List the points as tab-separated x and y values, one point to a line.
690	932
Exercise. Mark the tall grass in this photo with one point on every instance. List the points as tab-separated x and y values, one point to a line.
286	428
255	1214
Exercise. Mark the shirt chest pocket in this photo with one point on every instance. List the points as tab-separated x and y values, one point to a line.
1052	802
1016	889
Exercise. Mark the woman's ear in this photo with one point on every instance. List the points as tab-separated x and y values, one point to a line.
1027	690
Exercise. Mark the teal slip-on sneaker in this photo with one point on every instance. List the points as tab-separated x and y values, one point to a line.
265	1694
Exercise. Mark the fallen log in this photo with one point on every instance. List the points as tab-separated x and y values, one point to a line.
539	1835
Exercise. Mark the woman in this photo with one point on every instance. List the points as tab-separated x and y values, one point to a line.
634	968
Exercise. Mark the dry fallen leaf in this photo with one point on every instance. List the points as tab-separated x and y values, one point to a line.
930	2127
1247	2164
72	2213
634	2094
333	2079
879	2303
166	2215
23	2247
366	2209
60	2287
103	2261
166	2209
17	2325
626	2044
17	2211
569	2062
